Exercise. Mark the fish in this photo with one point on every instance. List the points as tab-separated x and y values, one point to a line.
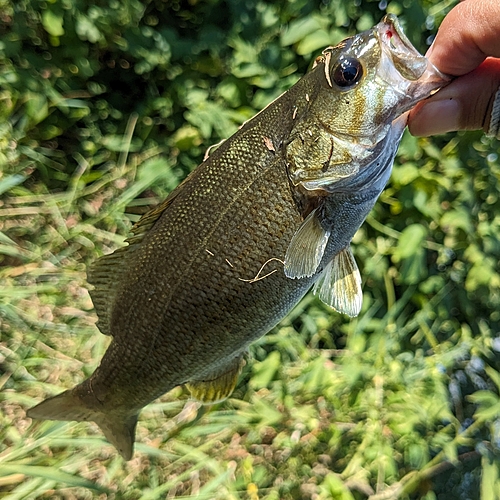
264	218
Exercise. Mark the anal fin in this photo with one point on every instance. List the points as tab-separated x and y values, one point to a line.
219	385
340	284
306	249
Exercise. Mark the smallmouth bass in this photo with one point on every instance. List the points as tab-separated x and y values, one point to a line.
268	215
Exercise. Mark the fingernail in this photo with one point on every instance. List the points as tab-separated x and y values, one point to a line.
436	117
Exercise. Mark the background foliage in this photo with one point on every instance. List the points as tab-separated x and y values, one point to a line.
105	107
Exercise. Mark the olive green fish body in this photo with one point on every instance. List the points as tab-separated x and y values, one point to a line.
270	213
207	279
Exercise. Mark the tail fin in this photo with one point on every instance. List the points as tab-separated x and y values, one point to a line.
119	429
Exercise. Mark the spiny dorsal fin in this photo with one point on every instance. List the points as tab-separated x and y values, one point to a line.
148	220
219	385
306	249
340	284
106	272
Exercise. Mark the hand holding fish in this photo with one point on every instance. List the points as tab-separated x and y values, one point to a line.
467	46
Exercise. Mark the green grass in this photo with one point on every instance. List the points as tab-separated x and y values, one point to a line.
327	408
400	403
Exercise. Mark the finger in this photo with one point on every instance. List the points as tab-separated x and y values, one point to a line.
465	104
467	35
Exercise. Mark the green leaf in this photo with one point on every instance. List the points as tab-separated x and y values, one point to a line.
413	269
317	40
480	274
299	29
458	218
418	454
494	375
410	241
450	450
11	181
484	398
365	22
119	143
36	107
488	414
86	29
265	371
267	413
333	488
53	23
405	174
186	137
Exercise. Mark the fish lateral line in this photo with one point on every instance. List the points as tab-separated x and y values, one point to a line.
258	277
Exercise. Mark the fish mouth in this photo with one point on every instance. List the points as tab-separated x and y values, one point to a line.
403	67
406	58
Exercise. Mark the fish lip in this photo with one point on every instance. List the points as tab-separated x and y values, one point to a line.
409	73
391	33
395	44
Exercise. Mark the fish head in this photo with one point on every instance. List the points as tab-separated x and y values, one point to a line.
372	78
361	87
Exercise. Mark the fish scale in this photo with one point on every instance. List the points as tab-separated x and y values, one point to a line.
261	303
270	213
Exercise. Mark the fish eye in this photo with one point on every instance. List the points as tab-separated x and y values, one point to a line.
348	72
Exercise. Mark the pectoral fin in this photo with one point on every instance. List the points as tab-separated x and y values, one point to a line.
217	386
306	249
340	284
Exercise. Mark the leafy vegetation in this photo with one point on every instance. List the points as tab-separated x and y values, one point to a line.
106	106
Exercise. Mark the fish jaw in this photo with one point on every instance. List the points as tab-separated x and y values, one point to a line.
410	74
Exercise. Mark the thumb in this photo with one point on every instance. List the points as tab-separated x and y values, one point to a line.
467	103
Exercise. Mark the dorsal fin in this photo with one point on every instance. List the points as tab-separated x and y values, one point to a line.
148	220
105	275
340	284
106	272
306	249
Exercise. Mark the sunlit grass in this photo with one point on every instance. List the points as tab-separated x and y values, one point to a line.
305	421
401	402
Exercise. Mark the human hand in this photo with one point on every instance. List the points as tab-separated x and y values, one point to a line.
467	46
